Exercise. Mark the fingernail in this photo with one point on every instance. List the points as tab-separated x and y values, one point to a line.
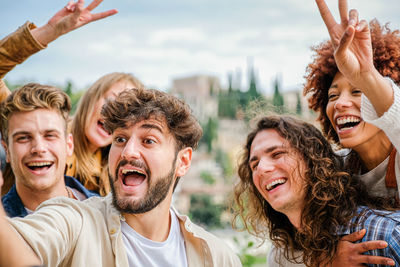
390	262
352	22
383	244
358	28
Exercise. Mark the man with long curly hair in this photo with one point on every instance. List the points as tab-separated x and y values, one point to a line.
293	191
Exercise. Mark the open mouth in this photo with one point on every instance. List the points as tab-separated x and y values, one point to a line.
132	177
347	122
100	123
38	166
275	183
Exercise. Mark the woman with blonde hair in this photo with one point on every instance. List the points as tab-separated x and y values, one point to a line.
92	141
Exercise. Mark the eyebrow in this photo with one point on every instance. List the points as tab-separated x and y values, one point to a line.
268	150
151	126
333	86
27	132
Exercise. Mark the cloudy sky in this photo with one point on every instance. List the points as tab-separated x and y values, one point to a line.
159	40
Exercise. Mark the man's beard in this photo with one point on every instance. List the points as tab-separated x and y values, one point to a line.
156	193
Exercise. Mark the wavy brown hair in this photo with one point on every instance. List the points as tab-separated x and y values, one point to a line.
332	196
135	105
321	71
85	160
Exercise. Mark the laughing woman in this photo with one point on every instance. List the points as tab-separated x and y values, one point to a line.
358	107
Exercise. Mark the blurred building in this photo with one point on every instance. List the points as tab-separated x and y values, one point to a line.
200	92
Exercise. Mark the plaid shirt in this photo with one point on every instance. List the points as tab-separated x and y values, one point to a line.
380	225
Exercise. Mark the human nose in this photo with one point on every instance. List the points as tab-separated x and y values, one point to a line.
131	150
265	165
343	101
38	146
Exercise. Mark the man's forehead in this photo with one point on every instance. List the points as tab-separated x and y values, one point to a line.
158	123
45	117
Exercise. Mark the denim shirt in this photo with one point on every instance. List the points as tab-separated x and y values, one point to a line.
15	208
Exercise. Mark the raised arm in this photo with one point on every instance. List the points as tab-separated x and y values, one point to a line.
351	40
27	40
10	241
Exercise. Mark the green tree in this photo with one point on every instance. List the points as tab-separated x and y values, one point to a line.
224	161
207	177
68	88
277	99
247	259
204	211
210	133
298	105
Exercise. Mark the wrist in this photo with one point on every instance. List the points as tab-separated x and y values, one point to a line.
44	34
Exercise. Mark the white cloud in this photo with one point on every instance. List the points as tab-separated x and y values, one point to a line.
161	40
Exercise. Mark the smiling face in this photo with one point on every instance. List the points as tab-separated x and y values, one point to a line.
344	112
277	172
37	149
143	165
94	130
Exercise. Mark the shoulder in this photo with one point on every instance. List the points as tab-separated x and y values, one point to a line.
74	183
379	223
222	254
12	204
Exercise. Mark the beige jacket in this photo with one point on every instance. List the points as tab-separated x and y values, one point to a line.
15	49
65	232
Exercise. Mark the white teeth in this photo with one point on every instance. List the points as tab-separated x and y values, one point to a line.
125	171
347	119
275	182
39	164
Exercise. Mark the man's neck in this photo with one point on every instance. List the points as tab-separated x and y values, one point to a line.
154	224
294	217
32	198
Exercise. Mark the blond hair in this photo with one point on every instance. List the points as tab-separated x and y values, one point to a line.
86	160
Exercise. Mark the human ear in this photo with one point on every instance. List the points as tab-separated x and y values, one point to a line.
70	145
184	160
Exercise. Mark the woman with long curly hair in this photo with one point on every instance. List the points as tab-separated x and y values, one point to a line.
358	107
293	191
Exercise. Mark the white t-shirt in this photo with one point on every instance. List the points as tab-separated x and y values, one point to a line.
145	252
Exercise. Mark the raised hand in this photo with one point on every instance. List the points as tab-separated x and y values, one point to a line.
335	30
353	54
351	40
71	17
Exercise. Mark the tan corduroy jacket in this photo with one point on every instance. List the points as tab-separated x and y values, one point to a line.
65	232
15	49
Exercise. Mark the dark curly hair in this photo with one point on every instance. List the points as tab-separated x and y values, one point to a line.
321	71
139	104
332	196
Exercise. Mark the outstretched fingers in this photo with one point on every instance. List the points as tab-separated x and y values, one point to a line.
104	14
343	11
326	14
93	4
